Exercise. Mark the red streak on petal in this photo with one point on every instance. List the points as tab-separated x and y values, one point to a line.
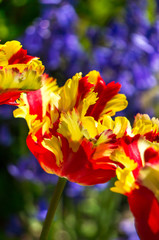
152	136
20	57
35	103
45	157
9	97
83	88
78	167
130	146
151	156
105	94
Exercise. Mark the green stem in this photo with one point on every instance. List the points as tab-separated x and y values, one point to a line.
52	208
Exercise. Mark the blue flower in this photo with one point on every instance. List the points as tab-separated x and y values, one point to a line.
27	168
125	49
5	135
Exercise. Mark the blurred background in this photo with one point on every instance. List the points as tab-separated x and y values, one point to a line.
121	40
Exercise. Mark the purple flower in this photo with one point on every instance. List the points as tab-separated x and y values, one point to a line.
28	168
127	50
14	227
5	136
74	190
53	38
66	16
42	209
50	1
127	226
142	43
6	111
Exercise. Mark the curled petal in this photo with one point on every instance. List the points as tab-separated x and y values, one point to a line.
109	101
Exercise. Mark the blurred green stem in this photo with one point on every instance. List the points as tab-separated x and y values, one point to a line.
52	208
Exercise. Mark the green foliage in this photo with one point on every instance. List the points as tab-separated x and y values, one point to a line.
151	10
15	16
95	217
101	12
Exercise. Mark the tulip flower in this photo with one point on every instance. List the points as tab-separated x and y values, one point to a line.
69	130
138	176
18	72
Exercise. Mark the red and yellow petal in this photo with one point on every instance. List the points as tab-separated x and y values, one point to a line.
80	168
12	53
109	101
75	166
145	208
64	138
101	99
9	97
45	157
147	127
19	72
